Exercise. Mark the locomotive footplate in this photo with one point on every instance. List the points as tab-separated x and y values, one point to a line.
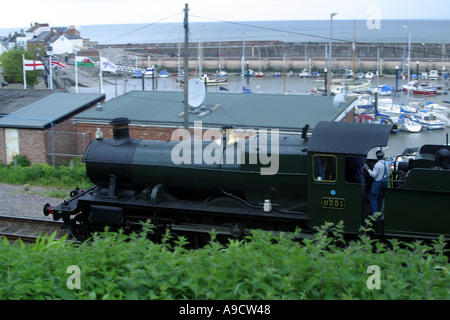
128	206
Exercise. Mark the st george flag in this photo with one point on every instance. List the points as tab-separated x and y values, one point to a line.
85	62
107	65
31	65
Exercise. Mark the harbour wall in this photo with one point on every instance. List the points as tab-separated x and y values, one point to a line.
275	56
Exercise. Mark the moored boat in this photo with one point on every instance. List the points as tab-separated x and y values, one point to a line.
429	120
164	74
150	72
383	90
212	82
408	125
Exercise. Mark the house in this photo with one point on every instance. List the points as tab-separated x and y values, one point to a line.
77	41
59	44
3	47
43	130
35	30
17	40
38	44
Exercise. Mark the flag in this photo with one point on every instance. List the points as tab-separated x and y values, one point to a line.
85	61
30	65
107	65
57	64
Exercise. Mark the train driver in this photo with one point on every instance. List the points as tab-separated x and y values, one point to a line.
380	176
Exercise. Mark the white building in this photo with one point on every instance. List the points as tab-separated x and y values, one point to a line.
60	44
35	30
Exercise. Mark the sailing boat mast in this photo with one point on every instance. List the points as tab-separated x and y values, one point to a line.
186	67
354	49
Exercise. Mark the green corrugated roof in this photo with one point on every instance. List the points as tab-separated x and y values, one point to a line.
290	112
53	108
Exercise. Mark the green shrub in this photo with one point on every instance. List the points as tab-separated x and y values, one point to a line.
118	266
62	176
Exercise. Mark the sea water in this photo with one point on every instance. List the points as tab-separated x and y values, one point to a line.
388	31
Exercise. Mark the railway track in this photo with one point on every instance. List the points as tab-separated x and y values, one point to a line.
29	229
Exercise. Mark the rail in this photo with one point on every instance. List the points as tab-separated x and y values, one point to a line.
29	229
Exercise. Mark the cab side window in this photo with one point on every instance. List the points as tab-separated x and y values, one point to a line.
324	168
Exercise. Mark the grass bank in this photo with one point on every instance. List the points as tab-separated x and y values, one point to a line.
62	176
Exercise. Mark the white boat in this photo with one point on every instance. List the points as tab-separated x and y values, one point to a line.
259	74
163	74
212	82
348	88
382	90
150	72
304	74
429	120
360	75
433	106
433	75
444	116
408	125
369	75
386	107
222	74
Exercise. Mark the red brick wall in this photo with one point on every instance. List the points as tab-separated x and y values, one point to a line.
32	144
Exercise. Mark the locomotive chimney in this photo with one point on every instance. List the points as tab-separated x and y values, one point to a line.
120	128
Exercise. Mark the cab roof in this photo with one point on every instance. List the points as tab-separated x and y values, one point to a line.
348	137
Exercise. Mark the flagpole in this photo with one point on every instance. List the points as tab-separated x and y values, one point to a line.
24	73
50	86
76	73
100	74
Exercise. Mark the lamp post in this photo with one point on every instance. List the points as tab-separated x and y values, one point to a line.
330	54
417	71
409	52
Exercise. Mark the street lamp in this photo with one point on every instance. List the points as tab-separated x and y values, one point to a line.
409	52
331	52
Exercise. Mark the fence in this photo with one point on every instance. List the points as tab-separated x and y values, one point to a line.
64	146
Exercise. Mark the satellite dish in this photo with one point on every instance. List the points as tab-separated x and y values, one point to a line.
196	92
339	101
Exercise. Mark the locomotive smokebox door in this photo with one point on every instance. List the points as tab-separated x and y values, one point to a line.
336	185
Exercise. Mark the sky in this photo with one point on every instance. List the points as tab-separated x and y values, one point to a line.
21	13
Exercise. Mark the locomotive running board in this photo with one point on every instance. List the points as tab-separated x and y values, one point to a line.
234	231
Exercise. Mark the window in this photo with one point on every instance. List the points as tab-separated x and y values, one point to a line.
324	168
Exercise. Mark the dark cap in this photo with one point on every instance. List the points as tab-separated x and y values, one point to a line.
119	121
380	154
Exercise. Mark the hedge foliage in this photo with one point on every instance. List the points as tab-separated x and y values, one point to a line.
62	176
119	266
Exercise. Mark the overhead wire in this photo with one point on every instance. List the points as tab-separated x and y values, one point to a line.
142	27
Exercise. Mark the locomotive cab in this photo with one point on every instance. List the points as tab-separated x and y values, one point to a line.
337	184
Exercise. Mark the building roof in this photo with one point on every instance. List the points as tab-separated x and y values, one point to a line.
43	36
49	110
165	108
14	99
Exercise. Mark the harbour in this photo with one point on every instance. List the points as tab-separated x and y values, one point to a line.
291	84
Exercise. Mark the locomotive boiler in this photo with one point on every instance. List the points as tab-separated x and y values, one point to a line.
268	181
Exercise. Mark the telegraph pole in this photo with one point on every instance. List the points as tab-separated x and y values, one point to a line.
186	67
